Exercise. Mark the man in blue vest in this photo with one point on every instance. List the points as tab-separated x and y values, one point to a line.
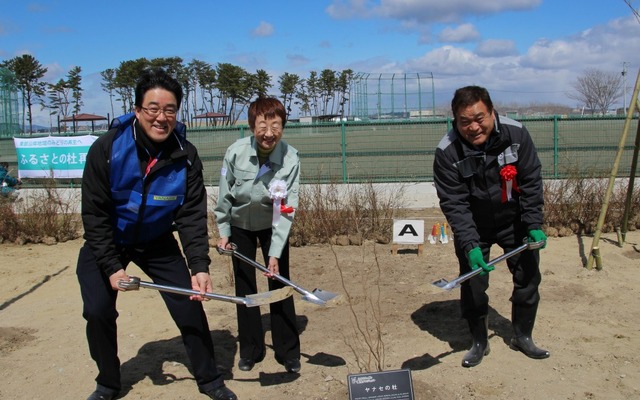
140	180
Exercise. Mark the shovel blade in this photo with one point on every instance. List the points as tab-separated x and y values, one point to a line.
272	296
445	284
319	297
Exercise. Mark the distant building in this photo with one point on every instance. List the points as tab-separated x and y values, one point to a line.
313	119
414	114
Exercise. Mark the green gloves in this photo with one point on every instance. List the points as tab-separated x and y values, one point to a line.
536	235
476	260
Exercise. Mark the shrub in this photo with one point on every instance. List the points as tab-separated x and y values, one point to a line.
329	210
574	205
44	215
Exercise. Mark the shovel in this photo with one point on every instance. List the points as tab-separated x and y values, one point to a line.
454	284
252	300
317	296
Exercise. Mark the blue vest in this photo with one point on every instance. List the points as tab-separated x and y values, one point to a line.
144	210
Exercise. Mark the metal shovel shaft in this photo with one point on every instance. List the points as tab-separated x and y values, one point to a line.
190	292
446	285
496	260
258	299
262	268
318	296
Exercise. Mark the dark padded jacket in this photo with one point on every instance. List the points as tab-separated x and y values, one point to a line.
469	186
98	208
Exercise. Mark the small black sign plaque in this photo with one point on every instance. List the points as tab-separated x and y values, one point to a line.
386	385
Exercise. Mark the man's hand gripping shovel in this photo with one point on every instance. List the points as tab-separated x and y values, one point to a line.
252	300
317	296
454	284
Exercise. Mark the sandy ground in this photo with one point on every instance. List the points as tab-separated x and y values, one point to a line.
589	320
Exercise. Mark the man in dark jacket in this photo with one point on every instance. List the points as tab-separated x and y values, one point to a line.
140	179
487	176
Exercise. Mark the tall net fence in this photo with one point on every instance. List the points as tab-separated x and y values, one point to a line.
376	96
403	151
9	111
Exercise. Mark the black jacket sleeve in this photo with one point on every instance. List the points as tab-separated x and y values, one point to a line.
191	218
97	206
453	193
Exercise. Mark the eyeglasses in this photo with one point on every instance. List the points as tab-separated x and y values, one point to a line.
275	128
155	111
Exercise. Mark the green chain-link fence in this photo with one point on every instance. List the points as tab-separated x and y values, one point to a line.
9	112
394	151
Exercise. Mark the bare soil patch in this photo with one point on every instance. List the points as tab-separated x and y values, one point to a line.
588	320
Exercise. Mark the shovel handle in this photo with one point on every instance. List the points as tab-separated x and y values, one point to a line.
318	296
233	252
134	283
525	246
282	279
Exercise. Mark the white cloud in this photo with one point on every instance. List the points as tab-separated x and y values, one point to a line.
496	48
425	11
447	61
264	29
54	73
603	47
344	9
542	73
459	34
546	54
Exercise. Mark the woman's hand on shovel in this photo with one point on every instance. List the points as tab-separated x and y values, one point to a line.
274	267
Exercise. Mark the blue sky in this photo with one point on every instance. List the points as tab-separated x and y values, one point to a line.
524	51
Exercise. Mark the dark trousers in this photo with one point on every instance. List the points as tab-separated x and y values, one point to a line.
162	261
524	268
284	332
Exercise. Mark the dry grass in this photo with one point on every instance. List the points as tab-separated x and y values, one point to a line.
573	206
326	211
44	217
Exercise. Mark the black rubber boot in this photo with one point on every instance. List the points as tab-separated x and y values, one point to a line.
523	318
479	329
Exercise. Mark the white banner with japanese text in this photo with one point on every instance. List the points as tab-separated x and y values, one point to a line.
52	156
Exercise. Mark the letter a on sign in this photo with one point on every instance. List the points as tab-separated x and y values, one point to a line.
408	231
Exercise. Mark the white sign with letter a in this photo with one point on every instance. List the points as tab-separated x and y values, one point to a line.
408	231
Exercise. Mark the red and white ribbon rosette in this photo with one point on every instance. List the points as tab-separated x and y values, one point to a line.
509	183
278	192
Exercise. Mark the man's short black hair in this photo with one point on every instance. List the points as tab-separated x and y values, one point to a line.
468	96
157	78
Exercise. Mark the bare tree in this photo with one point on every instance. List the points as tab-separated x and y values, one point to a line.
597	90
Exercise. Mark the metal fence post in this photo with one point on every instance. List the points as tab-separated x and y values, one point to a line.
343	130
555	146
